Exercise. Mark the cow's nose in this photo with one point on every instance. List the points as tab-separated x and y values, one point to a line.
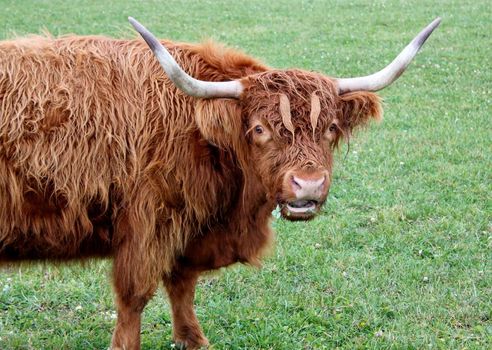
308	189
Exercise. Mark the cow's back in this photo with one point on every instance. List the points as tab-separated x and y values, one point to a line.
64	140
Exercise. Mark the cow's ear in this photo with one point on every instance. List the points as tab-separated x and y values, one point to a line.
358	108
219	120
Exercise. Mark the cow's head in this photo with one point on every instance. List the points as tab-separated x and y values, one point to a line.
290	120
293	120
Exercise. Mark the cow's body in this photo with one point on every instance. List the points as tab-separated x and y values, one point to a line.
101	155
90	127
99	150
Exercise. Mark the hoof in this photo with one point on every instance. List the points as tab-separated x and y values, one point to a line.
191	345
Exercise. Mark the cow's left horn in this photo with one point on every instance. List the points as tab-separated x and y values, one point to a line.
390	73
188	84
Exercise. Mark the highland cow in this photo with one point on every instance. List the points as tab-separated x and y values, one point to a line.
106	153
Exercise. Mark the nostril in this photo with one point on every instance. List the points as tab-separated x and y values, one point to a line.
295	184
317	186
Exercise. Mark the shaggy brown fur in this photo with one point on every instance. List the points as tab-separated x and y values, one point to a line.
100	155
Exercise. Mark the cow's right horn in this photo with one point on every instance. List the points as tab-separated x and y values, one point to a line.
188	84
391	72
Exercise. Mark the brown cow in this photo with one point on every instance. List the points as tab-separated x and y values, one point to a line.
103	154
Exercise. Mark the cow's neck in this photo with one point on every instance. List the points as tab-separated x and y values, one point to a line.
242	235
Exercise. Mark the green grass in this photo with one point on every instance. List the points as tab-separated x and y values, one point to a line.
401	257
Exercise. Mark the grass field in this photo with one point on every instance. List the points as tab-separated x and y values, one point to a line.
401	257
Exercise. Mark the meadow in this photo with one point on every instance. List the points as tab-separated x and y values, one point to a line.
401	255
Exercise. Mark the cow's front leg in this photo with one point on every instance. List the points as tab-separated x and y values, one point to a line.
126	335
134	287
186	329
130	300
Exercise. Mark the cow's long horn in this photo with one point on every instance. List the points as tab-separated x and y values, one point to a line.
188	84
390	73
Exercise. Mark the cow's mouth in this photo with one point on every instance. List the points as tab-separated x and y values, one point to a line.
299	209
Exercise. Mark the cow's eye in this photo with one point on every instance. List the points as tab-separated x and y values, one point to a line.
331	133
261	134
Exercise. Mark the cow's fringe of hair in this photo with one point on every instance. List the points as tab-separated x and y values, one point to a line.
298	86
351	110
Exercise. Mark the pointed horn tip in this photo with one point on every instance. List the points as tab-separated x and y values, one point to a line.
139	27
435	23
132	20
145	33
426	32
136	24
432	25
